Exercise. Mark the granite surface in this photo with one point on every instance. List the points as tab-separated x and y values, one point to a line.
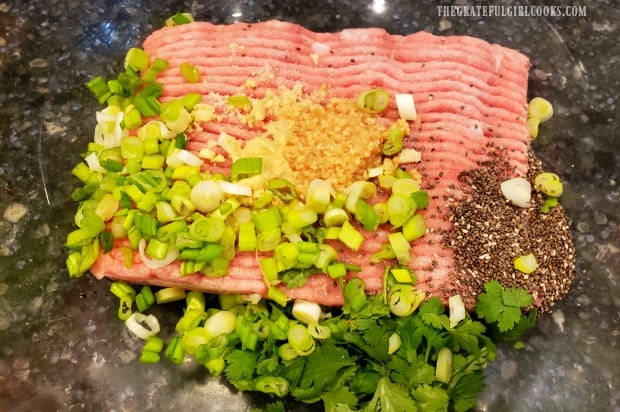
61	346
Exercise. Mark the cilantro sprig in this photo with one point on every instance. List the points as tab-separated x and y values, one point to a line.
352	368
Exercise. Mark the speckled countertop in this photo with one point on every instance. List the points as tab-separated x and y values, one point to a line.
61	346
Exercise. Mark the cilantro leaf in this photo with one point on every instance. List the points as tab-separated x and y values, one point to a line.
365	381
466	336
340	395
412	371
502	306
321	367
431	398
516	297
466	391
390	397
239	365
276	406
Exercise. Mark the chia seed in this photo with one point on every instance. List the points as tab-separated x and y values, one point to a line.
489	233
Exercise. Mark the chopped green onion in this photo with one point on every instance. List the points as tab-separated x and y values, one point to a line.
306	312
399	209
318	331
526	263
268	239
266	219
327	254
121	289
175	116
194	338
532	125
549	183
107	241
406	106
299	217
540	108
282	189
394	141
111	159
385	252
135	325
207	229
167	295
153	161
286	352
394	342
402	275
145	298
335	217
366	215
190	320
374	100
354	295
401	247
247	237
132	118
457	310
175	352
246	167
300	339
179	19
239	101
99	88
124	307
191	73
156	249
208	253
149	357
337	270
420	197
443	370
195	300
287	255
404	300
414	228
153	344
350	236
146	225
405	186
358	190
147	106
220	323
137	59
318	195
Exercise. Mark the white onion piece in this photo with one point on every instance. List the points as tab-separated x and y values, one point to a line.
518	191
375	171
457	310
157	263
189	158
135	321
406	106
93	163
206	195
180	157
408	156
235	188
306	312
108	131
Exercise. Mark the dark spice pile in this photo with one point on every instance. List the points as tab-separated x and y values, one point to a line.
490	233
